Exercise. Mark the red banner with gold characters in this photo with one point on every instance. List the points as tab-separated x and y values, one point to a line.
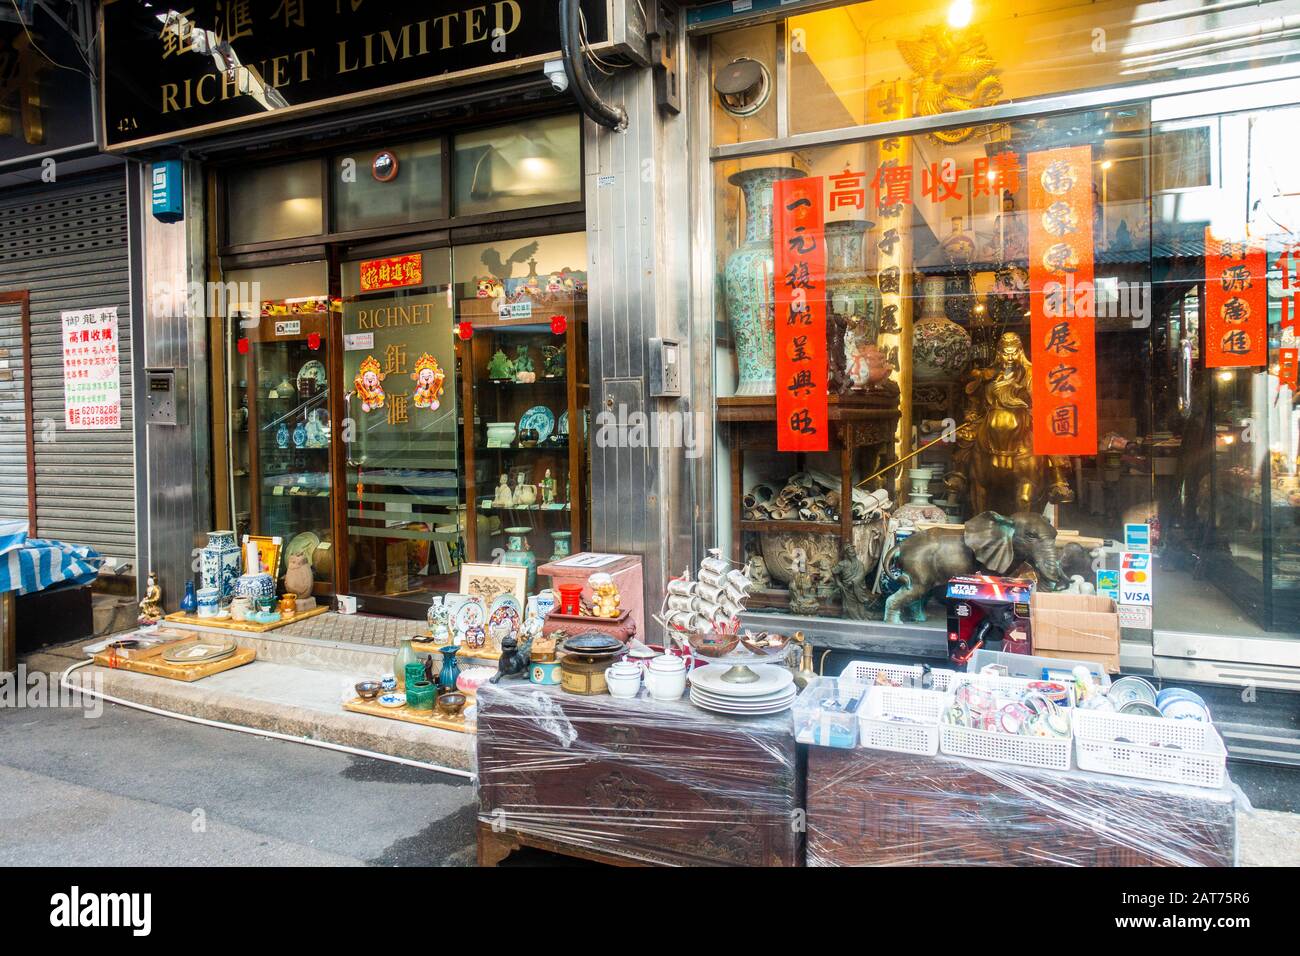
800	258
1236	303
1288	262
1062	322
396	272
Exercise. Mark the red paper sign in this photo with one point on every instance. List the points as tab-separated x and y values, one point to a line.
395	272
800	256
1062	322
1236	303
1286	361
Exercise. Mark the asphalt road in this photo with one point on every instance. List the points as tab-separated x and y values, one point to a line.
132	789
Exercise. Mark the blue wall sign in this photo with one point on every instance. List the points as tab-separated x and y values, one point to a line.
167	191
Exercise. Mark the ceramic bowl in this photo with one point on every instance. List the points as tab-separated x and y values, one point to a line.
451	703
713	645
368	689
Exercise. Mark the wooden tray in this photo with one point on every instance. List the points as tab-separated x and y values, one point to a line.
428	718
489	652
244	627
149	661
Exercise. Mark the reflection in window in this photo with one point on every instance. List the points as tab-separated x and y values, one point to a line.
275	202
514	167
393	186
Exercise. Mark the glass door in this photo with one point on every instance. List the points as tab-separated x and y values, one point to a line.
280	433
400	430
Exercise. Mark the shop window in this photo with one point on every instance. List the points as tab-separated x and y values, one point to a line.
521	307
1030	312
960	54
279	358
520	166
264	204
388	186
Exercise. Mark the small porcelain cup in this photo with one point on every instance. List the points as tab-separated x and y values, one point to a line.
623	679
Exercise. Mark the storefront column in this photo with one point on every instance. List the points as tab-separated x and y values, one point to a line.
638	225
178	457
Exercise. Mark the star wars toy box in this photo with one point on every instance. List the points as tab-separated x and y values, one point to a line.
985	611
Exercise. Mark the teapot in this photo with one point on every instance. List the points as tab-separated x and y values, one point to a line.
665	677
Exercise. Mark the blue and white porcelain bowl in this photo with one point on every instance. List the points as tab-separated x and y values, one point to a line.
257	588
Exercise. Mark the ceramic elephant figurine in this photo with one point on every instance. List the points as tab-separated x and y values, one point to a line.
991	542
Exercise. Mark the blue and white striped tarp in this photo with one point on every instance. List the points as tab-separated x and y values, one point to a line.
34	564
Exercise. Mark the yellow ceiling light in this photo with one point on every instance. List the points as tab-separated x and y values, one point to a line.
960	13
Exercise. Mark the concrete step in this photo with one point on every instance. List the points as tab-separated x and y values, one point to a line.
295	687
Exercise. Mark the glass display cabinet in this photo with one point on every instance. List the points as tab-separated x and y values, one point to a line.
525	392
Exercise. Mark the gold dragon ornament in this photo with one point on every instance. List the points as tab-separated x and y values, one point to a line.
954	72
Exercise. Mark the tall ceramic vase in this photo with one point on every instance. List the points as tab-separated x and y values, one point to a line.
940	347
751	285
852	296
219	563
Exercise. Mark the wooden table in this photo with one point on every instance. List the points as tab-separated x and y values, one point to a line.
634	782
875	808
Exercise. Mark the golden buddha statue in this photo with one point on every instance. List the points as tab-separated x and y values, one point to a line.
995	461
151	610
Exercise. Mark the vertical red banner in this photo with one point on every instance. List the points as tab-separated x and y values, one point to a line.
1062	321
1236	303
800	256
1288	353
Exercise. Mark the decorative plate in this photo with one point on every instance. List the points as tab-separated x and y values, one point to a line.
504	616
304	544
314	369
199	653
539	418
392	700
471	613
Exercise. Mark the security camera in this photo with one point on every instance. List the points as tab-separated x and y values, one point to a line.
554	70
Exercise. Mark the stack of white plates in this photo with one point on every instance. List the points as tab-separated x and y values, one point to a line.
773	692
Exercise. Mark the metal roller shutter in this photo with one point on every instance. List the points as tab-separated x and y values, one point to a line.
66	243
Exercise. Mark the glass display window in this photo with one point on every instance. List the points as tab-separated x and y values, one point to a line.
392	186
269	203
1080	318
524	165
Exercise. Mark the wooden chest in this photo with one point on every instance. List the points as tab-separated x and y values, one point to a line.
635	781
873	808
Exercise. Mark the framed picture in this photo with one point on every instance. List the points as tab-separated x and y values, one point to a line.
268	549
488	581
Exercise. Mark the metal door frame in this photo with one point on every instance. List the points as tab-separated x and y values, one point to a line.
23	298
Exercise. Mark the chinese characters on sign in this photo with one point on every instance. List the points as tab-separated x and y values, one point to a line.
396	272
92	382
1289	262
1064	340
1236	303
801	403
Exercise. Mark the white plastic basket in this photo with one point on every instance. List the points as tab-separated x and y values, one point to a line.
1053	753
1031	667
823	713
1150	748
1002	686
901	719
865	674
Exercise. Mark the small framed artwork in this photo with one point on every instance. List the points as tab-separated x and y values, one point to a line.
268	552
489	581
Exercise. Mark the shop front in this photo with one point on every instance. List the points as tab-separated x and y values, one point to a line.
367	278
1054	253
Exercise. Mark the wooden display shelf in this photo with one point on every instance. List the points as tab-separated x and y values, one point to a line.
426	718
149	661
243	627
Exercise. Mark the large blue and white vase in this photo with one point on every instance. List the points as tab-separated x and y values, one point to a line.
751	283
258	588
219	563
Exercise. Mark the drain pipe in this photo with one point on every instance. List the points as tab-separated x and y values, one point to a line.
575	68
221	725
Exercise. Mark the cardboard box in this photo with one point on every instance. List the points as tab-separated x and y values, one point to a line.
1079	626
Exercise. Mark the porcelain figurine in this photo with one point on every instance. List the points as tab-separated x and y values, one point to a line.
548	488
757	569
501	369
504	498
803	593
606	601
525	494
151	611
